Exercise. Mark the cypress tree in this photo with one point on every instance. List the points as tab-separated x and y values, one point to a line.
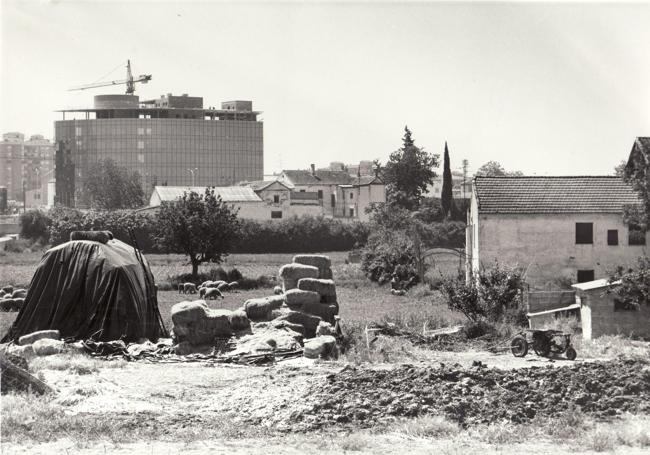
446	198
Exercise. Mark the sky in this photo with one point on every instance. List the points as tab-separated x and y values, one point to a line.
547	89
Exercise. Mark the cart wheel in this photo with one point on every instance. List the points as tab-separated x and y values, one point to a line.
571	353
519	346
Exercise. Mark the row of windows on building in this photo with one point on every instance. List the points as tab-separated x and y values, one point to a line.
585	235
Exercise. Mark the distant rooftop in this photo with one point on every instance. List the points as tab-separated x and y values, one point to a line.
562	194
318	177
227	193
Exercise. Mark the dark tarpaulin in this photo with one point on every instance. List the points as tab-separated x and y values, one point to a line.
88	289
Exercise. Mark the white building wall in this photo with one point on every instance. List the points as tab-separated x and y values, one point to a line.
546	246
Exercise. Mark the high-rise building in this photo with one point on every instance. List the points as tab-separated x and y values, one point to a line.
172	140
26	166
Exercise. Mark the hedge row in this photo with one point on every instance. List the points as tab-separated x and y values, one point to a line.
293	235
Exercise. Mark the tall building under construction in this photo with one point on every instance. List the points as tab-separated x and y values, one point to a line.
172	140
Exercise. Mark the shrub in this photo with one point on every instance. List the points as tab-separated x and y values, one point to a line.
494	295
233	275
34	225
634	288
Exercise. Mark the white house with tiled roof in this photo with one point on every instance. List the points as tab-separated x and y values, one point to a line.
340	194
554	227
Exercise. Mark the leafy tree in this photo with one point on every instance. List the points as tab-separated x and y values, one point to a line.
494	169
447	199
637	174
202	226
619	169
408	172
110	187
634	287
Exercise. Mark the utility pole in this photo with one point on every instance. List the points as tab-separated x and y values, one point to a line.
465	166
192	171
24	198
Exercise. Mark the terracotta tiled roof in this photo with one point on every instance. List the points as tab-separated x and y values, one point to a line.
318	177
579	194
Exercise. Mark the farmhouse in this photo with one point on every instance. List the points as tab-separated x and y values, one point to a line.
557	228
602	314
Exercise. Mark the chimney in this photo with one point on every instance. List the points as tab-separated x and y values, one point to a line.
313	169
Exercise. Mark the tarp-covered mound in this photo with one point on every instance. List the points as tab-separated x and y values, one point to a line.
88	289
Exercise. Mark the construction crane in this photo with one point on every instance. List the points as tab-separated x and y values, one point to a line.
129	81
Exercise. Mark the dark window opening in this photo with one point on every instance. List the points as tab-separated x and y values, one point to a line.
584	233
333	199
276	214
585	275
612	236
320	194
351	212
302	191
351	195
276	199
636	235
620	305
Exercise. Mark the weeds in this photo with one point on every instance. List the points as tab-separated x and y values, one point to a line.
75	363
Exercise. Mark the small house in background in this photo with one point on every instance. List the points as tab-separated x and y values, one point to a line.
284	202
339	194
563	228
602	313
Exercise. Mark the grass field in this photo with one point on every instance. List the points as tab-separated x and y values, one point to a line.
360	300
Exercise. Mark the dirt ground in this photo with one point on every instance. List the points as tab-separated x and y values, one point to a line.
213	401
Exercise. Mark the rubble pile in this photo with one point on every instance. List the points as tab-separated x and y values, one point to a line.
301	313
475	395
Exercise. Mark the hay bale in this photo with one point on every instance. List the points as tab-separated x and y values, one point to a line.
323	347
40	335
325	311
296	297
261	309
8	289
291	273
286	325
95	236
326	288
47	346
26	352
308	321
198	324
239	321
323	263
277	290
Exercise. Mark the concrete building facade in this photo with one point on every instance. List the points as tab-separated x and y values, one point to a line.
556	228
26	161
172	140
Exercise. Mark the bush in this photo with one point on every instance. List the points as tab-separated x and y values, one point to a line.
494	295
34	225
388	253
